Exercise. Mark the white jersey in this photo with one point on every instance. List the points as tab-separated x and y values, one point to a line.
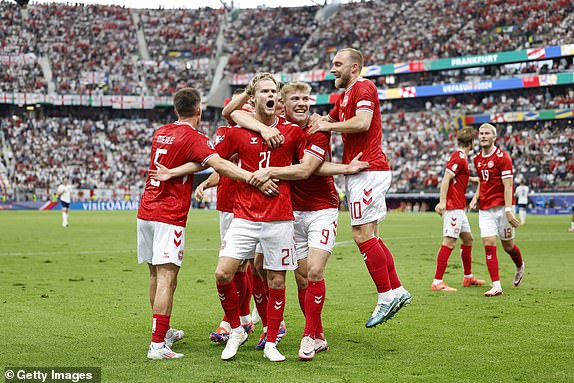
65	192
521	194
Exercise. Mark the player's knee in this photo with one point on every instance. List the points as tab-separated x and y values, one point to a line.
315	273
223	276
508	246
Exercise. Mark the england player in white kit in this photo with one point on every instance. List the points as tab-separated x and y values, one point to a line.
521	194
64	193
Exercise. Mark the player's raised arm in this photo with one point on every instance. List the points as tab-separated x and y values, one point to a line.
441	206
236	103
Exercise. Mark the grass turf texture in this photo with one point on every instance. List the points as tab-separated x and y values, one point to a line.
76	297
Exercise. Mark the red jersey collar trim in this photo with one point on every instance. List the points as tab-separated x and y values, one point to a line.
491	153
184	123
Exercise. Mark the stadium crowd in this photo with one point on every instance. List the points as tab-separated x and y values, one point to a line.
95	49
110	154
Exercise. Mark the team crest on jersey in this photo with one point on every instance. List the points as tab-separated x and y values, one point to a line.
490	164
253	140
345	100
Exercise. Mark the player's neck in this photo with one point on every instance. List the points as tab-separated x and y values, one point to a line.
488	150
267	120
189	120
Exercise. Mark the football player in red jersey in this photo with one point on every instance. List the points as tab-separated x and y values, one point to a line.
357	116
451	206
163	210
495	200
315	205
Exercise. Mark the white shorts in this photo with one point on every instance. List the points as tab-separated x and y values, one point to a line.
225	219
454	223
366	196
160	243
276	239
316	229
493	222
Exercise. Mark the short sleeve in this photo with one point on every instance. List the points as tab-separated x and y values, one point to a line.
506	166
334	113
224	141
201	149
454	164
366	98
319	145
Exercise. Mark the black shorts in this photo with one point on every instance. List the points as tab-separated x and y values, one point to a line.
65	204
522	206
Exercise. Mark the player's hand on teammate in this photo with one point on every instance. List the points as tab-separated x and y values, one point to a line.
259	177
272	137
512	219
440	207
269	188
314	117
356	165
160	173
320	125
200	190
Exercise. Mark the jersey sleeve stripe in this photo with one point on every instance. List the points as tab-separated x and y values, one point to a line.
365	110
508	176
364	103
207	159
506	172
450	171
315	155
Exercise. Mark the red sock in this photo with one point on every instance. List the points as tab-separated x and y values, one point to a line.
393	276
230	303
260	298
301	293
516	256
442	261
242	284
275	310
466	255
314	307
376	262
492	262
159	327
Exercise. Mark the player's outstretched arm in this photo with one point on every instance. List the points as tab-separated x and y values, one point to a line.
229	169
162	173
474	180
441	206
211	181
358	124
272	136
508	210
333	169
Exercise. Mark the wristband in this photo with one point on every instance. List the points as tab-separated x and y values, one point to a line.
508	210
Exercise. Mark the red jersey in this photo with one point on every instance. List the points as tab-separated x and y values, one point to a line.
254	154
362	96
227	187
173	145
457	165
316	192
491	170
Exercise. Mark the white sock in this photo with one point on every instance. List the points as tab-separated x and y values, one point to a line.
497	285
522	214
157	345
385	298
399	291
225	325
238	330
245	319
64	218
572	226
436	281
265	329
468	276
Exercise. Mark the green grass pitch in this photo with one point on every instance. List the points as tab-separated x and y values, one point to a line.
76	297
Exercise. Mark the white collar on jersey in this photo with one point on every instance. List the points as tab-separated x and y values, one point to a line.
184	123
494	149
350	86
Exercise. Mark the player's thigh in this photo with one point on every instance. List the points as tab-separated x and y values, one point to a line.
145	241
505	230
453	221
366	196
300	227
225	219
487	223
322	229
278	246
240	239
168	244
